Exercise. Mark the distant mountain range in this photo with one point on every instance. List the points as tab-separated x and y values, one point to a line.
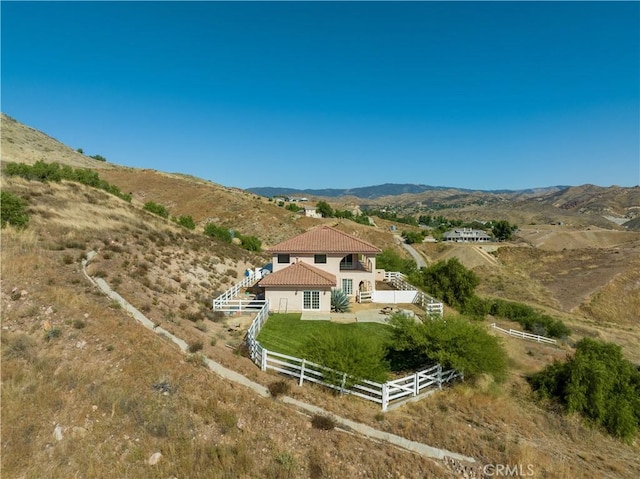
387	189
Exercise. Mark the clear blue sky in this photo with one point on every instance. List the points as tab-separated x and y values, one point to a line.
336	95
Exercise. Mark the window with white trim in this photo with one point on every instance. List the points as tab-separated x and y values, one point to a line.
347	286
311	300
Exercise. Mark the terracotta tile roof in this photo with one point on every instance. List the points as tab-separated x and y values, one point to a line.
299	274
324	239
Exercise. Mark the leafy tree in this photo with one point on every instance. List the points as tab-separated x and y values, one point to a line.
187	222
450	281
13	210
80	150
451	341
391	260
502	230
98	157
412	237
211	229
361	357
156	209
324	209
346	214
598	383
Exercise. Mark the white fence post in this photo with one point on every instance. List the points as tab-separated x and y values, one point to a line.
344	382
439	376
385	397
263	365
416	388
302	372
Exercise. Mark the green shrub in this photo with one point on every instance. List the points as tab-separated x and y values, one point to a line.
45	172
529	318
598	383
477	307
13	210
187	222
156	209
452	341
361	357
211	229
52	333
250	243
39	171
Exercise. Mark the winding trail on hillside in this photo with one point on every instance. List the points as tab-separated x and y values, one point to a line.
346	424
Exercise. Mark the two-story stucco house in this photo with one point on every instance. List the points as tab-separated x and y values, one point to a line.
308	266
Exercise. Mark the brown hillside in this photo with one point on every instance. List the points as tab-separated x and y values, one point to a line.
88	392
98	380
23	144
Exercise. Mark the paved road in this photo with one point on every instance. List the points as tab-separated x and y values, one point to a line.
418	258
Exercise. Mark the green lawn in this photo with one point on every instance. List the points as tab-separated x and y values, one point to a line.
287	333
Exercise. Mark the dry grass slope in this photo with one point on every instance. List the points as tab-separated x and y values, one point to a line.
24	144
86	392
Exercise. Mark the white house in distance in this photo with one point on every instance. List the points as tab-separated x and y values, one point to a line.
466	235
308	266
311	212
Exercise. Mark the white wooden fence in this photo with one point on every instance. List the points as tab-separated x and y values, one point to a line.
226	301
304	370
523	335
393	297
426	302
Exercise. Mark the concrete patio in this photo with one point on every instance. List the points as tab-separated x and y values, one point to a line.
369	315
